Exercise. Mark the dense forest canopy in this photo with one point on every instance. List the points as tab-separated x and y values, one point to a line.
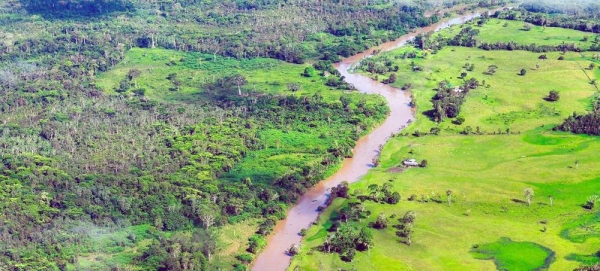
74	8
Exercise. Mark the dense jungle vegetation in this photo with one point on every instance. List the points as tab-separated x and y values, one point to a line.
149	167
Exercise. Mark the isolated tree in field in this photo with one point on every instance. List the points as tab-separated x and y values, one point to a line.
133	74
553	96
375	192
381	222
528	195
523	72
449	195
407	226
409	217
364	240
293	87
124	86
491	69
591	202
592	66
307	72
239	80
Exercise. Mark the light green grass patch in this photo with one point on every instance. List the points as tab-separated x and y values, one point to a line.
511	255
498	30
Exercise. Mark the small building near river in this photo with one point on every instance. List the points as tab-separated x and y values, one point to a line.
410	163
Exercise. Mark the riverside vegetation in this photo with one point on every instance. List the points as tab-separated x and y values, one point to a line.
506	130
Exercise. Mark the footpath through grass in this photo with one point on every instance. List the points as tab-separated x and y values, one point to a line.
510	147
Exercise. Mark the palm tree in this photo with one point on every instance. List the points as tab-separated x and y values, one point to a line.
239	80
449	194
528	195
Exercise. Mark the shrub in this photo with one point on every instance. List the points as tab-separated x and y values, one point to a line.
302	232
293	250
459	120
553	96
245	258
523	72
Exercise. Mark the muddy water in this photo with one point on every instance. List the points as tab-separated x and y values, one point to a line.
274	258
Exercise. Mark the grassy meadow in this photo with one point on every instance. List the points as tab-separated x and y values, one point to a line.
264	75
489	224
499	30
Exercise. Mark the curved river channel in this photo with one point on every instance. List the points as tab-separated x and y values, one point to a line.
286	232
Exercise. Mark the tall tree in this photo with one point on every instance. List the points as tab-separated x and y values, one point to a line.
528	195
239	80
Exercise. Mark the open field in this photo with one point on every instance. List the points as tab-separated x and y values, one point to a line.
195	70
486	171
499	30
510	101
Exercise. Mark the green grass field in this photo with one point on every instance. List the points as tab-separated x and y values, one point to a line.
498	30
487	172
264	75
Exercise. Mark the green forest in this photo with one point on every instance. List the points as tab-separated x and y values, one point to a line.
175	134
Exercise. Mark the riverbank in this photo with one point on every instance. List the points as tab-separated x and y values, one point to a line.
471	196
300	216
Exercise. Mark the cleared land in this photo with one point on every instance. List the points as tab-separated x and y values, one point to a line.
486	171
194	70
499	30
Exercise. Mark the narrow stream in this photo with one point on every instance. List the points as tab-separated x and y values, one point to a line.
286	232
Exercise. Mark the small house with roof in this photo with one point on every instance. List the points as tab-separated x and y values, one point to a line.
410	163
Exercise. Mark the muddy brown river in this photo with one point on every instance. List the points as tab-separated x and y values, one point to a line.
286	232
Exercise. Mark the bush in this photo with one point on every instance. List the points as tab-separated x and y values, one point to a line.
553	96
459	120
423	163
293	250
303	232
256	243
245	258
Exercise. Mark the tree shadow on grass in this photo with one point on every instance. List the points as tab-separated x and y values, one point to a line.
429	114
520	201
